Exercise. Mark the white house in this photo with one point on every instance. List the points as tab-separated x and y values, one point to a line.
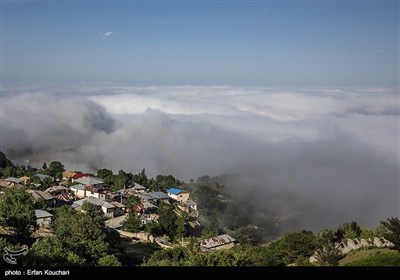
178	195
106	208
43	218
79	190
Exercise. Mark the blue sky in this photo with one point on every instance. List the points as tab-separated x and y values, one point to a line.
294	43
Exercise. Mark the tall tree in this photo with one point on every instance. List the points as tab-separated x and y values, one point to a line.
56	169
133	202
80	234
105	174
167	219
132	223
392	231
298	244
17	210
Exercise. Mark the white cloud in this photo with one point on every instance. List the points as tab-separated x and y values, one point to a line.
337	148
106	35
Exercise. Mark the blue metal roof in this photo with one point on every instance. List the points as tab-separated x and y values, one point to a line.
175	191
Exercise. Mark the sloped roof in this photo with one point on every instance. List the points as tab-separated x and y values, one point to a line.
37	195
93	200
89	181
40	214
78	187
136	186
56	189
65	197
8	184
175	191
68	174
14	180
161	195
117	204
217	241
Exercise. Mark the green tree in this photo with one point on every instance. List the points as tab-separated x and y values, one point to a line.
133	202
296	244
141	178
93	212
325	237
180	230
348	231
109	260
120	181
392	231
132	223
329	255
80	234
49	251
105	174
167	219
55	169
153	228
10	171
164	182
248	235
17	210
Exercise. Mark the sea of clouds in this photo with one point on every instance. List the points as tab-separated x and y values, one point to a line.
331	154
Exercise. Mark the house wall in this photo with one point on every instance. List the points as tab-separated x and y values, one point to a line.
225	246
79	193
118	212
43	222
108	212
172	196
182	197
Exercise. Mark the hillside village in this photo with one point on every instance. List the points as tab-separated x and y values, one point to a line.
163	212
114	207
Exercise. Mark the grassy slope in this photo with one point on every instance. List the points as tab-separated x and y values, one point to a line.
358	255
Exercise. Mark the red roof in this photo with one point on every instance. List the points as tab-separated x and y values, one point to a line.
79	175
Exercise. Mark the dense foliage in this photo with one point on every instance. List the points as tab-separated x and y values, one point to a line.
17	210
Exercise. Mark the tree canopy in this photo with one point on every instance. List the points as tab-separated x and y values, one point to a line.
17	210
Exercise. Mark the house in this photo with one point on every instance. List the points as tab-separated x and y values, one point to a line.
119	208
78	175
82	191
26	179
68	175
8	184
149	218
220	242
178	194
46	197
42	177
89	181
63	199
98	191
79	190
137	187
106	208
115	223
15	180
43	218
160	196
188	206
